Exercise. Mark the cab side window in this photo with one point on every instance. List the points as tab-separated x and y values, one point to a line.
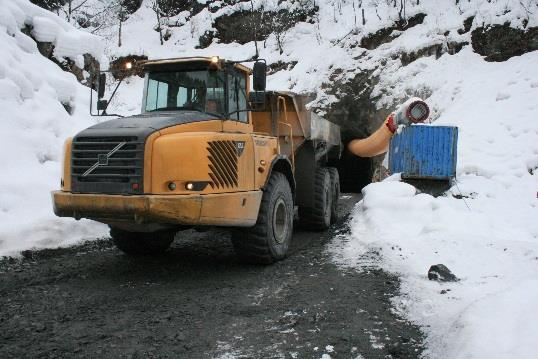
156	96
237	96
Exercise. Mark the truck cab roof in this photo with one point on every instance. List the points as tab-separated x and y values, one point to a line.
204	61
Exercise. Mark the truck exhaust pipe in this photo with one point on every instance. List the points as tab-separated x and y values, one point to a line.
414	110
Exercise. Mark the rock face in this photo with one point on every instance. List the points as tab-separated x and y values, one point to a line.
356	113
501	42
355	109
174	7
385	35
131	6
246	26
440	273
280	65
48	4
467	23
118	69
436	50
87	75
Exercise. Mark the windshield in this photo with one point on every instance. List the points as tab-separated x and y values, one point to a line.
198	90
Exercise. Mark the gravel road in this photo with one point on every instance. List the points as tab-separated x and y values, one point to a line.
198	301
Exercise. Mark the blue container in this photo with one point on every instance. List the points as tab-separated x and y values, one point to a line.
424	152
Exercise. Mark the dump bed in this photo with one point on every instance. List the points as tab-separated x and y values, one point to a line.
314	127
287	112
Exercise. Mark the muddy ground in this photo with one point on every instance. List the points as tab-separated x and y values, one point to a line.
198	301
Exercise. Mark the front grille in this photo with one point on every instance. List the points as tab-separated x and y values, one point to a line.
222	164
111	164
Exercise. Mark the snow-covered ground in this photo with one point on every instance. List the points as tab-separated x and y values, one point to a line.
34	125
489	239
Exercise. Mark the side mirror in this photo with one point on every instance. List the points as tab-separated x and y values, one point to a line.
259	76
101	88
102	105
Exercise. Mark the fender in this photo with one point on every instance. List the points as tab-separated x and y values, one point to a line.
281	163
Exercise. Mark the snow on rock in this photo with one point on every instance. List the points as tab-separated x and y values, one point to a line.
485	228
34	125
441	273
47	27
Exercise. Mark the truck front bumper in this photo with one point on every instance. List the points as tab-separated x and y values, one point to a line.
225	209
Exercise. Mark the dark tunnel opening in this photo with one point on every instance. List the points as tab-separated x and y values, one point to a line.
355	172
357	116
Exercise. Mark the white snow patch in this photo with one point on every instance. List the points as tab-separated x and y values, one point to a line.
34	125
489	239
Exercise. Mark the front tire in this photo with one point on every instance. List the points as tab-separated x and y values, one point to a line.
142	243
268	241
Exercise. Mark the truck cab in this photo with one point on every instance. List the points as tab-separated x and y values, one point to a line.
204	151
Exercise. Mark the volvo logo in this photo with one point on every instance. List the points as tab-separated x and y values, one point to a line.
102	159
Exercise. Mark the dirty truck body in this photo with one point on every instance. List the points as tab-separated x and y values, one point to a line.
200	155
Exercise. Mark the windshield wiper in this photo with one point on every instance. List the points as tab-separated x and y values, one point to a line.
173	108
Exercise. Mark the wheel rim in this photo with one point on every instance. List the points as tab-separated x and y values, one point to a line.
280	221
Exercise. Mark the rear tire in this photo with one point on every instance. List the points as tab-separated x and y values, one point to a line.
318	217
268	241
142	243
335	185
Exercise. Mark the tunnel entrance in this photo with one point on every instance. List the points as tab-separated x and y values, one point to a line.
358	117
355	172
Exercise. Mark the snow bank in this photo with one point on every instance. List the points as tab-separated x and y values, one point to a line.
488	238
34	125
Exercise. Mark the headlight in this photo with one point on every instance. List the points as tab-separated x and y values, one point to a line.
196	185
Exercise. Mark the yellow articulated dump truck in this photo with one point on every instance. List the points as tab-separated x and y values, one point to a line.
205	151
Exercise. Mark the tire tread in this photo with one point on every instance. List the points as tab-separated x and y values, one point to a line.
335	184
250	244
314	217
